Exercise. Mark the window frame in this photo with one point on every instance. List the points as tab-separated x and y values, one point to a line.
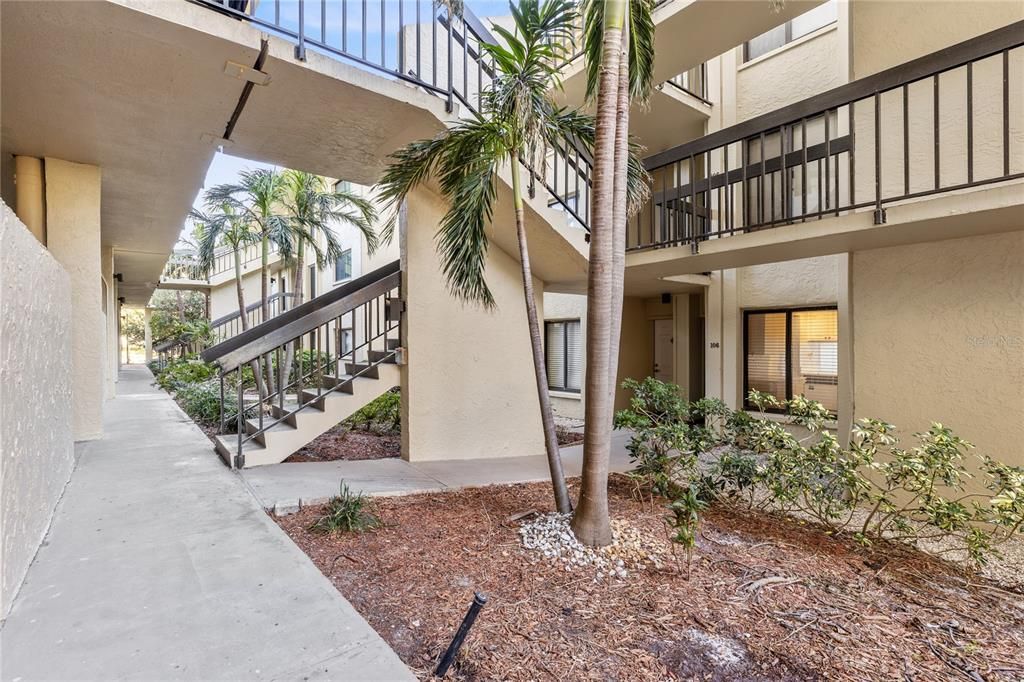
788	40
349	276
789	348
565	350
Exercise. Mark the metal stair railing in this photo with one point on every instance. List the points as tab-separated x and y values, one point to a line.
420	42
307	353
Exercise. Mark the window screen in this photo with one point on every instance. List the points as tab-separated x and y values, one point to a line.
793	352
564	356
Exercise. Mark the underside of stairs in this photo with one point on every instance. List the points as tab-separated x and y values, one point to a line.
322	408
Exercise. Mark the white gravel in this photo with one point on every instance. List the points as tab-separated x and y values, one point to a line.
550	536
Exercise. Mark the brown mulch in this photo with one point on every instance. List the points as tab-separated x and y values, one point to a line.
794	602
342	443
568	437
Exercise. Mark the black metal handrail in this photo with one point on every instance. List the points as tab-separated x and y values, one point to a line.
266	336
842	150
301	356
419	42
227	326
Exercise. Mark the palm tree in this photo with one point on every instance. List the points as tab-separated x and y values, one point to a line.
314	208
619	49
518	121
221	226
258	198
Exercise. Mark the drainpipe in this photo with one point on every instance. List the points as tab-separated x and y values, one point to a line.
28	197
149	335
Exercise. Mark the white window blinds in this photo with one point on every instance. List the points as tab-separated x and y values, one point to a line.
564	355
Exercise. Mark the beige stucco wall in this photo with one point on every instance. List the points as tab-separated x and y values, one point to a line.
794	72
468	389
36	450
884	34
73	237
939	336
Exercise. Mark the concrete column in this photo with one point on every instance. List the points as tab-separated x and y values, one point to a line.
847	408
454	391
29	195
111	321
73	238
149	334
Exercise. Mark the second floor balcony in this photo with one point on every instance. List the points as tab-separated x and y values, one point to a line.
896	157
183	270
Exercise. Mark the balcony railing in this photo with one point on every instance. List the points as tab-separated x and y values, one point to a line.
944	122
186	267
419	42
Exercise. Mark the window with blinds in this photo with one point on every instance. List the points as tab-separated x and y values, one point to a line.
793	352
563	343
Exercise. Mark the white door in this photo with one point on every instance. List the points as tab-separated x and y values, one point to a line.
663	353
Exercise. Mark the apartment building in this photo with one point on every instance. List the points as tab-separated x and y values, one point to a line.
894	290
913	321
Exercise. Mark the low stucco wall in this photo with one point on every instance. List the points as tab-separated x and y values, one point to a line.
468	390
939	336
36	450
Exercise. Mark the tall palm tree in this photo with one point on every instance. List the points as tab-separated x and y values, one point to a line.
619	49
258	198
314	208
221	226
518	121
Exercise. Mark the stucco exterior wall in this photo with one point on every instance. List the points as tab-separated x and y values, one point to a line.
468	388
809	281
36	449
73	237
939	336
884	34
792	73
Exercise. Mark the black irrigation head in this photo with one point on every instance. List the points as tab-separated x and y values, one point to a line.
467	622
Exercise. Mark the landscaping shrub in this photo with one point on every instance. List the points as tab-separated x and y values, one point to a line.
382	415
346	512
180	373
696	452
201	402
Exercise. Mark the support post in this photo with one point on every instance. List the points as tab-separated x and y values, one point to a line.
147	315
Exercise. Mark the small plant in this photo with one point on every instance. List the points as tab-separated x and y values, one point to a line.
683	520
346	512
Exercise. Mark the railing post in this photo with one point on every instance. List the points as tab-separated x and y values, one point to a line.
239	461
879	211
450	106
300	48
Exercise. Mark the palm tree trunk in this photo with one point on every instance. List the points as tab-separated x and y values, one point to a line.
265	307
547	418
590	523
619	210
245	319
297	291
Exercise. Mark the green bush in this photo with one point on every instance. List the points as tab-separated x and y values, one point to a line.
382	415
874	489
201	401
180	373
346	512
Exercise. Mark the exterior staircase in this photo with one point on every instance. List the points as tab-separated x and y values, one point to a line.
345	345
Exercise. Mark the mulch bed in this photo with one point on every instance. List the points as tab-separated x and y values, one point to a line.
767	598
567	437
342	443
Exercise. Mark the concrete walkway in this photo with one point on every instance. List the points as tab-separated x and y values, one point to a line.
160	565
289	484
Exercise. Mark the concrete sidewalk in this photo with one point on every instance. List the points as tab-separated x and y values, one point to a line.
291	484
160	565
